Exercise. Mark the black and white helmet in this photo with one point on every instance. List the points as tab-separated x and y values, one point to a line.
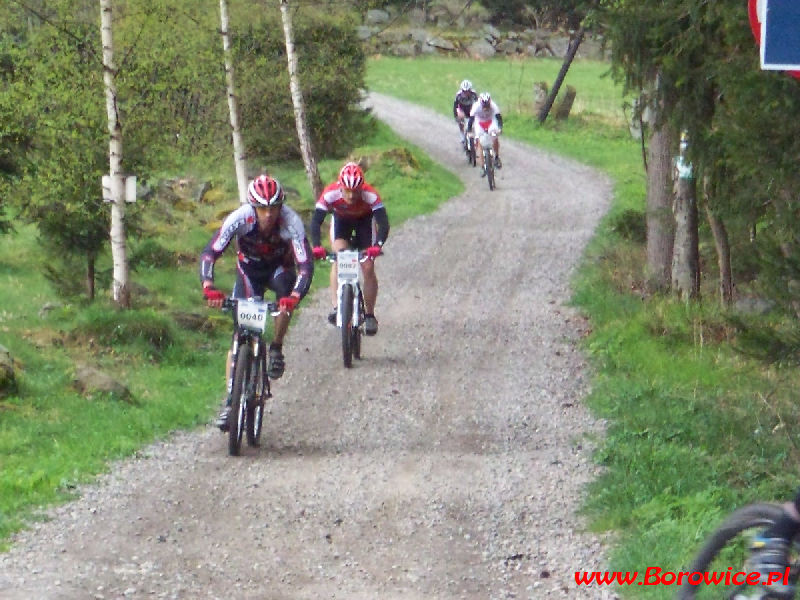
485	98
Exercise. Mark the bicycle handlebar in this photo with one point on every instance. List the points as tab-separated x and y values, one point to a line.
362	256
229	304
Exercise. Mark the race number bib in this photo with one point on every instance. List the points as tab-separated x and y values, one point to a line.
347	264
252	315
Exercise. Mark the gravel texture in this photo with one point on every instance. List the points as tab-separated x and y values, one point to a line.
448	463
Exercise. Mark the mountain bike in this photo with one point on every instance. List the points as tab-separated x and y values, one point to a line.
249	382
350	310
727	550
486	139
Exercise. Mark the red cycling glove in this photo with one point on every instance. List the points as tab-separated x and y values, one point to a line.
288	303
212	293
373	251
319	252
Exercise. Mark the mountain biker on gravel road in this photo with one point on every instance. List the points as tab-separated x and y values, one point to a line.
485	116
462	106
273	253
358	215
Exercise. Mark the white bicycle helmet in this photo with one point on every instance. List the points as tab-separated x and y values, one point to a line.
485	98
466	85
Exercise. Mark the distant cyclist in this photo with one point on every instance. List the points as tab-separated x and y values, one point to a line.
358	215
485	116
462	105
273	253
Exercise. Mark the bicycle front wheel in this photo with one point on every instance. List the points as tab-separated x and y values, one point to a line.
236	418
356	342
489	162
726	551
347	325
255	405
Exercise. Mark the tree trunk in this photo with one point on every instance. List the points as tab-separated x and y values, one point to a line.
686	255
723	248
236	132
90	277
120	290
573	48
309	158
660	222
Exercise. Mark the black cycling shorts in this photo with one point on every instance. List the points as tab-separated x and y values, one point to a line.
359	234
253	282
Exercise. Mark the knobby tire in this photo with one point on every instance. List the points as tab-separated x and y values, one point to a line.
255	406
727	547
488	162
357	330
241	376
347	326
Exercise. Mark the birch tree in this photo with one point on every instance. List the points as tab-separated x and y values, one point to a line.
120	291
309	158
236	132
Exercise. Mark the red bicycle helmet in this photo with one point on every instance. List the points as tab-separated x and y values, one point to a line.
351	177
265	191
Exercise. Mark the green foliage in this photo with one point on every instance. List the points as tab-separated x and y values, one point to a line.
171	104
331	68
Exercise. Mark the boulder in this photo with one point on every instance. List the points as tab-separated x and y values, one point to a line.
92	382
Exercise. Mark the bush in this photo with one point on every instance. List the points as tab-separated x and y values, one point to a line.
332	69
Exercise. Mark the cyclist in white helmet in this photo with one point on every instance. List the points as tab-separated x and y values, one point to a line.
485	116
462	105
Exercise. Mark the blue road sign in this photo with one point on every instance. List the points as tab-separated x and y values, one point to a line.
780	35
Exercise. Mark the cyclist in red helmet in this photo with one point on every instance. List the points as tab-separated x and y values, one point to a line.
358	217
273	253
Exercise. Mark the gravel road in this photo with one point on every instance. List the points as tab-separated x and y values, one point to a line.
448	463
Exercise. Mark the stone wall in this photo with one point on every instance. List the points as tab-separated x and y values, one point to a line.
463	35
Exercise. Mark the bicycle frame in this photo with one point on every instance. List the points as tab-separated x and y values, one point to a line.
248	384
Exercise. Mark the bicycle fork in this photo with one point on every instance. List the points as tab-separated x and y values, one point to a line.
355	313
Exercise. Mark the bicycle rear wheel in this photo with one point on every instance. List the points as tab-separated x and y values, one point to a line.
236	419
347	325
728	547
255	405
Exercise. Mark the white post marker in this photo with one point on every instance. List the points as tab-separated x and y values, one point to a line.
128	184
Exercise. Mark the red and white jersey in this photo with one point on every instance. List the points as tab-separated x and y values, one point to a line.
331	200
484	114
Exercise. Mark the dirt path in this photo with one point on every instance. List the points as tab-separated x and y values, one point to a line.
447	464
